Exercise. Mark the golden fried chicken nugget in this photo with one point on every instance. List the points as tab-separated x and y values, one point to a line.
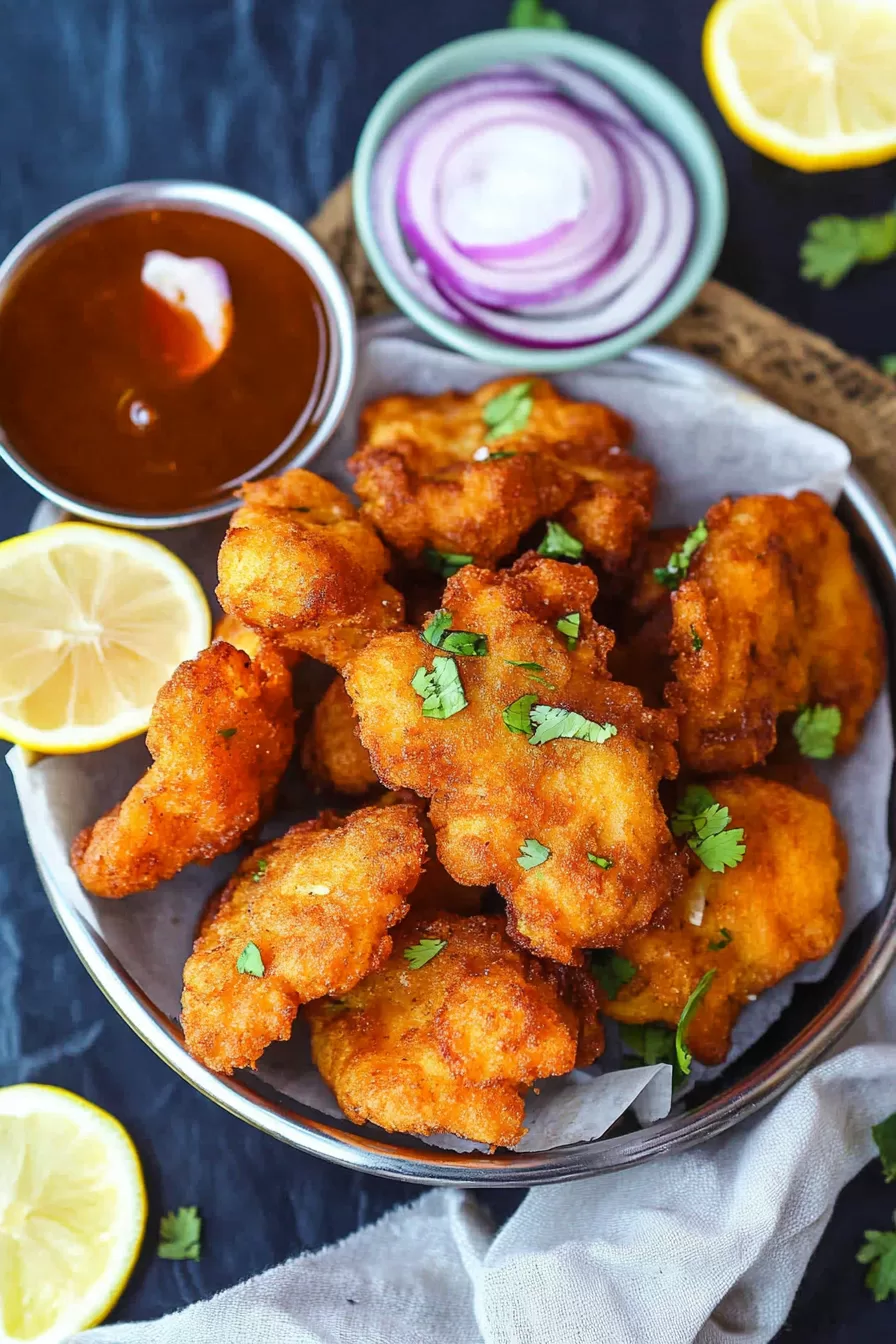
436	890
427	476
451	1043
296	555
332	752
315	906
221	735
525	814
772	616
752	924
251	641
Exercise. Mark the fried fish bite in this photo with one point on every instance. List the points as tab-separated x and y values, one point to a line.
316	905
332	753
773	615
500	800
427	476
752	924
220	735
453	1045
296	557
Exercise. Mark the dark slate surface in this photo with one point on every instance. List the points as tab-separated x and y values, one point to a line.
271	97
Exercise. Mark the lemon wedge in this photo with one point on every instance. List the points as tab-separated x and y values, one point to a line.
72	1213
811	83
93	621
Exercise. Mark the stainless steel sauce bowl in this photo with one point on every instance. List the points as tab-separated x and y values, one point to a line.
253	213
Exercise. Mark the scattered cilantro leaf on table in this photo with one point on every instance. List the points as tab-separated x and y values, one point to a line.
884	1136
879	1252
180	1235
815	729
532	14
888	365
835	244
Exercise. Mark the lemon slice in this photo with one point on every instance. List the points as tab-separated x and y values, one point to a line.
72	1213
811	83
93	621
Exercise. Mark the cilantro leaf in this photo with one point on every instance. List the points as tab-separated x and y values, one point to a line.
570	626
532	14
497	457
835	244
682	1053
535	670
705	822
509	412
611	971
676	567
879	1252
554	722
887	365
695	802
463	642
424	951
445	563
725	936
696	641
884	1136
559	545
180	1235
517	717
815	729
654	1042
249	961
227	732
532	853
441	690
720	851
260	868
601	860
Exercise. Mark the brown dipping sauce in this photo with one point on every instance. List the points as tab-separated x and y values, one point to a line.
82	404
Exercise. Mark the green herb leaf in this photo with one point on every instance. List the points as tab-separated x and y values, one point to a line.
509	412
463	642
879	1252
517	717
445	563
535	670
496	457
887	365
676	567
835	244
532	14
559	545
816	730
249	961
682	1053
440	622
696	641
654	1042
424	951
611	971
725	936
532	854
226	732
570	625
441	690
695	802
553	722
884	1136
260	868
180	1235
600	860
705	822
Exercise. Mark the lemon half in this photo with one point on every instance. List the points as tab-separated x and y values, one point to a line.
72	1213
93	621
811	83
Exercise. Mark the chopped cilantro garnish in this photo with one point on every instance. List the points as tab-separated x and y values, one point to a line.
569	625
835	244
180	1235
424	951
725	936
884	1136
532	14
705	822
517	717
226	732
249	961
887	365
445	563
441	690
601	860
554	722
559	545
611	971
509	412
682	1053
532	853
652	1041
815	729
260	867
535	670
696	641
463	642
496	457
879	1252
676	567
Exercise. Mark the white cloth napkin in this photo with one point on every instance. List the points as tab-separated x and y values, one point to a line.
704	1246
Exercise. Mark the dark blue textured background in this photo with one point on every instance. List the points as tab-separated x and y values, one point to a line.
271	96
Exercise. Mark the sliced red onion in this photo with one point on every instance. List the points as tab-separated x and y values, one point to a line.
588	92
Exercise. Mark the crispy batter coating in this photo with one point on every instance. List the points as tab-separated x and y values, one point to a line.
491	789
251	641
424	478
220	735
436	890
317	903
453	1046
642	655
296	555
783	619
332	752
779	906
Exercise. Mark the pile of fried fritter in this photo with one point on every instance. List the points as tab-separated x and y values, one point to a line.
579	753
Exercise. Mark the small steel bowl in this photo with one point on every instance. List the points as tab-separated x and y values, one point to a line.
253	213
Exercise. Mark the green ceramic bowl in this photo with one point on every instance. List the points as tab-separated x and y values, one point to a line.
658	102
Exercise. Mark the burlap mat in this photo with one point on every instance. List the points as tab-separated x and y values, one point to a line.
804	372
